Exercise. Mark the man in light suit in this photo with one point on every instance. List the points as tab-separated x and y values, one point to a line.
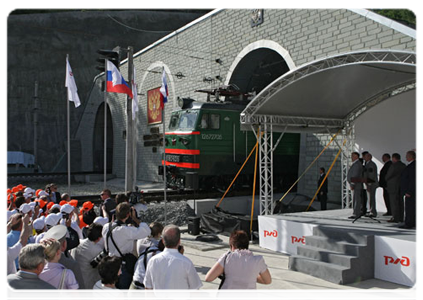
372	183
393	183
31	263
354	178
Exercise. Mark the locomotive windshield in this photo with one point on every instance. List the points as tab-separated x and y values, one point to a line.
183	120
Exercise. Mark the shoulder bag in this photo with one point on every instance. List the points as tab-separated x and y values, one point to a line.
222	277
62	283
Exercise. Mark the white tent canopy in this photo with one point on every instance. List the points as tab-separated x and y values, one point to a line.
331	92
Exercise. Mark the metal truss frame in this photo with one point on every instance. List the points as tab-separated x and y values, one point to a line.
250	117
266	170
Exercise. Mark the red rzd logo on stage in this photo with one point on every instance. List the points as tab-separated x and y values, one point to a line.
295	239
404	261
273	233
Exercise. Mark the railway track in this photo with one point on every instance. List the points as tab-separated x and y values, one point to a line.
158	196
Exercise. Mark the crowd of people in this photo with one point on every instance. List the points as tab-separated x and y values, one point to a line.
397	180
52	243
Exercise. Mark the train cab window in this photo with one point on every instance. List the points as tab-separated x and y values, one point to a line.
214	121
204	124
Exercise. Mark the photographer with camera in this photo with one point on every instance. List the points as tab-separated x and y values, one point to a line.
119	239
89	253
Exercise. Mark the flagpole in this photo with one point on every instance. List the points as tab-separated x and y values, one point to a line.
105	125
68	125
164	161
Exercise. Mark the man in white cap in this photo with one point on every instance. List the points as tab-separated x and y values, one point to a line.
73	239
13	251
39	226
60	233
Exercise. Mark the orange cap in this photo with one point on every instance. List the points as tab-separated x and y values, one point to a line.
88	205
73	202
63	202
15	189
11	197
49	205
38	192
41	202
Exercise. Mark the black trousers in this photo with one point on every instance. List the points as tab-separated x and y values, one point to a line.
323	200
410	211
125	279
363	202
387	201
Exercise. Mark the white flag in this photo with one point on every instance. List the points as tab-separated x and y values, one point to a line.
135	97
71	85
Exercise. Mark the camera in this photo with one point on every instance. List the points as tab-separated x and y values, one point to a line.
96	260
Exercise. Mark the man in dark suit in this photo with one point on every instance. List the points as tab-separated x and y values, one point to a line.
31	264
364	190
386	158
108	204
355	179
322	196
408	191
393	181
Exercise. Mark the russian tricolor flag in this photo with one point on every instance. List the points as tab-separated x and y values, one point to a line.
115	81
163	89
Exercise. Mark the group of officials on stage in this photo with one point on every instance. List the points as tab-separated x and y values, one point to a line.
397	180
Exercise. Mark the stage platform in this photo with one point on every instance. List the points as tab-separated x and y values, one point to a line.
324	234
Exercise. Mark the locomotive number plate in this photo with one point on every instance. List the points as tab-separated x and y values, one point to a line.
173	158
211	136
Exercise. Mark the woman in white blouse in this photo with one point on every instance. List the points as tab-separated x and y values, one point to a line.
242	269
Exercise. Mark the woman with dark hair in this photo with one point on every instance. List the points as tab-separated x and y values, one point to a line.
109	270
241	268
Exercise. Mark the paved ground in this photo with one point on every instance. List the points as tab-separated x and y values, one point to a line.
204	255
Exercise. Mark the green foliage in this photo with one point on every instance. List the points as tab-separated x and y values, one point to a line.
405	15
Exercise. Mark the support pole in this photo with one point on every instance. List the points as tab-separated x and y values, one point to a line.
105	126
36	127
68	129
254	193
164	163
129	170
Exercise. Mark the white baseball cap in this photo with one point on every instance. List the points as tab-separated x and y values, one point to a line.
39	223
67	208
53	219
25	208
100	220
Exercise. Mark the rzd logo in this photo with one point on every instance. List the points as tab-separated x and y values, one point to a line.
273	233
295	239
405	261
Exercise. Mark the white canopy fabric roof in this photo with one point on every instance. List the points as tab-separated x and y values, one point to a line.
331	92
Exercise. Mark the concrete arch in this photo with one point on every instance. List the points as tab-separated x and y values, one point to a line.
171	85
257	45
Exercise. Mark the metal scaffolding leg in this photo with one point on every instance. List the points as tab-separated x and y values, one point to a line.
345	162
266	170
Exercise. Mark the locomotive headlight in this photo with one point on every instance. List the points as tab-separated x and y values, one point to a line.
180	102
184	141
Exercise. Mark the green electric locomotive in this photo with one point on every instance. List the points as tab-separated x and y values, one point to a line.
205	149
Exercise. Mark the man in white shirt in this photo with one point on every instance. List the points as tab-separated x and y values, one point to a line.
170	269
124	237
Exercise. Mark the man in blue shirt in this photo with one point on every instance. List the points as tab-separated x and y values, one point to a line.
15	233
